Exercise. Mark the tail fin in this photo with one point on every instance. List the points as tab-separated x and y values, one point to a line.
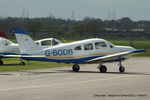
3	34
26	44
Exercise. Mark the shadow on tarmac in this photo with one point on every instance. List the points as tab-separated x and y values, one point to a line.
127	73
70	71
6	74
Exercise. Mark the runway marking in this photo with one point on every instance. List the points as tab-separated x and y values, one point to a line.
68	83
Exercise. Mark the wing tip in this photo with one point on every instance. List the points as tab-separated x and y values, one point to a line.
139	51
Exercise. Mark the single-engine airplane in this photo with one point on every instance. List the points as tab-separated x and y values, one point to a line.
86	51
9	48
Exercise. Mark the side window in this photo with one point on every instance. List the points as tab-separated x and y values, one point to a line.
110	44
99	45
37	43
6	42
77	48
46	43
54	42
88	46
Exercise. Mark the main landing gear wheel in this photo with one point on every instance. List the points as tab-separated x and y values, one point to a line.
1	62
75	67
121	68
103	69
22	63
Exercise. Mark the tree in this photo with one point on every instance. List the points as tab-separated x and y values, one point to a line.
94	27
33	26
62	30
52	27
79	29
126	23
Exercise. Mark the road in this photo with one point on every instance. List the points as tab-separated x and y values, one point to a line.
88	84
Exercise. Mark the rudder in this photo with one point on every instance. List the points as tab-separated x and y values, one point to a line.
26	44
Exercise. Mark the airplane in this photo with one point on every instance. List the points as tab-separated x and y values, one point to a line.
9	48
93	50
3	34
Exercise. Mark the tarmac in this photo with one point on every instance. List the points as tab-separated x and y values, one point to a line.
88	84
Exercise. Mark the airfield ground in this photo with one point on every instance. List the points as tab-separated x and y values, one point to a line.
88	84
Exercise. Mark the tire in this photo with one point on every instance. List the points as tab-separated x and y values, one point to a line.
22	63
103	69
121	69
76	68
1	62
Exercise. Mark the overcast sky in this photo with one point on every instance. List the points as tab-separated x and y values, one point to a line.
104	9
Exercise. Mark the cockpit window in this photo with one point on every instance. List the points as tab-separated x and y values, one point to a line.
88	46
7	42
37	43
46	43
55	42
77	48
99	45
111	45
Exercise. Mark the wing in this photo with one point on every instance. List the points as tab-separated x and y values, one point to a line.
116	56
20	56
9	56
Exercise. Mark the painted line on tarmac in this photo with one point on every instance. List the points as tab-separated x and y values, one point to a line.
68	83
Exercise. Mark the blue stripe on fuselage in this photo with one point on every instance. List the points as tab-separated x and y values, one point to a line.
7	53
74	60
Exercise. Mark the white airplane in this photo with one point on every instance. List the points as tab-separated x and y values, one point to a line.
86	51
9	48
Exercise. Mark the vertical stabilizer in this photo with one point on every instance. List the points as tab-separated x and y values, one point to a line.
26	44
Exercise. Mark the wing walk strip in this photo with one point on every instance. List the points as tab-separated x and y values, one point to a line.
68	83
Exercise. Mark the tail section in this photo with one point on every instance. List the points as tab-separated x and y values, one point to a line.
26	44
3	34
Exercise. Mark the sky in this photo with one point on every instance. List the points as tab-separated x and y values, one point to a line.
104	9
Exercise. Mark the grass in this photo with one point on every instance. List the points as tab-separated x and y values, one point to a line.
12	64
146	54
136	44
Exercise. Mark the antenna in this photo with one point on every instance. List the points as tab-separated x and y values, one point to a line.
27	13
114	15
108	15
23	13
73	15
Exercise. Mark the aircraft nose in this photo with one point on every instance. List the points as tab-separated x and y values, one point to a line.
125	48
132	48
128	48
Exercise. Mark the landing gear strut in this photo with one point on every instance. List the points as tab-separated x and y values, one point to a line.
1	62
102	68
75	67
22	62
121	67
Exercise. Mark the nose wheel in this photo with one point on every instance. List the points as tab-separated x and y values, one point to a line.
22	62
121	67
75	67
